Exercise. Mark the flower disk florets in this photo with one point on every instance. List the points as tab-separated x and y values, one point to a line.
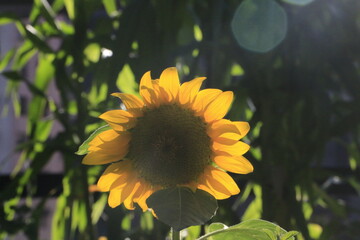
169	146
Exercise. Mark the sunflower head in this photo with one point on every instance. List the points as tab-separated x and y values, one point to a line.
169	146
174	135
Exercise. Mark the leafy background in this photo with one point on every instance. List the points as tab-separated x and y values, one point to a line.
293	66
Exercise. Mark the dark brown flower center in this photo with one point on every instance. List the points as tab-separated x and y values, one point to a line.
169	146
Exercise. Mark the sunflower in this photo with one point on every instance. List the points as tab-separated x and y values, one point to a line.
174	136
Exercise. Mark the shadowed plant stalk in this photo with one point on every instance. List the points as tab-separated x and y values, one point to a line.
175	235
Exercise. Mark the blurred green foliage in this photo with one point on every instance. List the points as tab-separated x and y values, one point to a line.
298	94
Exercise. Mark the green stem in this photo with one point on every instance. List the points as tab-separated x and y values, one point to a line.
175	235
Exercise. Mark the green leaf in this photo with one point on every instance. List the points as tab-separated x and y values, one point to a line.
23	54
36	111
16	76
83	149
6	18
98	94
147	221
110	7
289	235
180	207
16	104
92	52
336	206
255	229
315	230
12	75
193	232
126	221
59	219
34	15
43	76
44	72
259	25
254	209
69	5
237	70
79	219
48	14
37	39
6	59
216	227
198	33
42	132
126	81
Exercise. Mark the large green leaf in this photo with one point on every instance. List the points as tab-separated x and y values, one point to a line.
255	229
83	149
180	207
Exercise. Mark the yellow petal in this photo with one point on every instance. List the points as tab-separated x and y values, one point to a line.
114	198
129	201
169	84
153	213
141	199
118	195
122	180
223	146
105	136
147	90
131	102
119	120
116	116
188	90
223	128
243	127
111	174
203	98
227	129
218	183
218	108
114	146
160	93
95	158
237	164
102	151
